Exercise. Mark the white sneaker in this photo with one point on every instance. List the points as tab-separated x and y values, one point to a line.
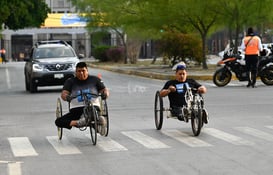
102	121
81	122
102	126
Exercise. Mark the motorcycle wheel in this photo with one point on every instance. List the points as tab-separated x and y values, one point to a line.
221	77
267	76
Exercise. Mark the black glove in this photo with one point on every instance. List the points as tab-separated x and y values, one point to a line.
68	98
103	96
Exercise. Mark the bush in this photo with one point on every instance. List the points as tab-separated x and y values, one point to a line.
181	47
115	54
100	53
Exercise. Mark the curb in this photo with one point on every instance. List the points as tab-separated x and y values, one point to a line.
153	75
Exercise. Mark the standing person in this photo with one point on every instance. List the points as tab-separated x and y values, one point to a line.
72	86
3	55
252	45
176	89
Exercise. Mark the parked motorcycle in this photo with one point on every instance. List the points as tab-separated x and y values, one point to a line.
233	63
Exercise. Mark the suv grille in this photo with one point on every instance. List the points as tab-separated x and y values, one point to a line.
58	67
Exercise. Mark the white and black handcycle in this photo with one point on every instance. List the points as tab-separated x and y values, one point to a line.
90	112
193	110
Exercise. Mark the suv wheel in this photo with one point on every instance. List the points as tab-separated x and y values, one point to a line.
26	84
32	86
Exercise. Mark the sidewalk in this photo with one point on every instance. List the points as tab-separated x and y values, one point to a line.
157	72
162	72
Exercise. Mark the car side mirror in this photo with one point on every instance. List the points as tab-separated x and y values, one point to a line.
81	56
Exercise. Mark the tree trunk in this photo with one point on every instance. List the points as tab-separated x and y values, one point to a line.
204	46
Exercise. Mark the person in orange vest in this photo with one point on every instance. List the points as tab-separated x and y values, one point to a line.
3	55
252	46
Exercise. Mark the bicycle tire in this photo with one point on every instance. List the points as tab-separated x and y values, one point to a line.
158	110
59	113
93	125
196	118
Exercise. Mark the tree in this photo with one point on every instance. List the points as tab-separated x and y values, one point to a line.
181	47
18	14
146	18
197	16
238	15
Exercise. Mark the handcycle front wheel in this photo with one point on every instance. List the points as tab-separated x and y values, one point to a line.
196	120
104	110
158	110
59	113
93	125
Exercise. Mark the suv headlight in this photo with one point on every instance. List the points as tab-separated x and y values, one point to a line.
73	66
37	68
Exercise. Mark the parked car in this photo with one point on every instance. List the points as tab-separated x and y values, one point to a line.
50	63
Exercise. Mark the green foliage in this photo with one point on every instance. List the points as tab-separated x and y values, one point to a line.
180	46
98	37
145	19
18	14
100	53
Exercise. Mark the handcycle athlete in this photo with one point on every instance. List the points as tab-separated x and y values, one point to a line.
177	91
71	89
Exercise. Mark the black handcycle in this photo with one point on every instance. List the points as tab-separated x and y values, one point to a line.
91	114
193	110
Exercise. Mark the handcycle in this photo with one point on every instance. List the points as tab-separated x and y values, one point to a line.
90	112
193	110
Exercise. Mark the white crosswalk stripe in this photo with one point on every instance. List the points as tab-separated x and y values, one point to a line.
256	133
270	127
21	147
145	140
14	169
63	146
186	139
108	145
235	140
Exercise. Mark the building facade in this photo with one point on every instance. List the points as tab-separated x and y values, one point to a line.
61	24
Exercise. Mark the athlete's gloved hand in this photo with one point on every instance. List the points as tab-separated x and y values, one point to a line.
103	96
68	98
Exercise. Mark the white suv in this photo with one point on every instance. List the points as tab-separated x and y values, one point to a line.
50	64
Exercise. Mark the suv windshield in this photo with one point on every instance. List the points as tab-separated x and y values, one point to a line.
53	52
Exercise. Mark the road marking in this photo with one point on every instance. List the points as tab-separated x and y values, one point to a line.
8	78
21	146
14	168
270	127
226	137
145	140
63	147
108	145
256	133
186	139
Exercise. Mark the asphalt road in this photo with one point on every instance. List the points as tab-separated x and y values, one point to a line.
238	140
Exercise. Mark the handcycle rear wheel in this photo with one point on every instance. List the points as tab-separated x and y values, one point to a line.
158	110
104	113
196	119
59	113
93	125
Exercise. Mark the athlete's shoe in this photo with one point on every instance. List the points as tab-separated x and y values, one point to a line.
81	122
102	125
